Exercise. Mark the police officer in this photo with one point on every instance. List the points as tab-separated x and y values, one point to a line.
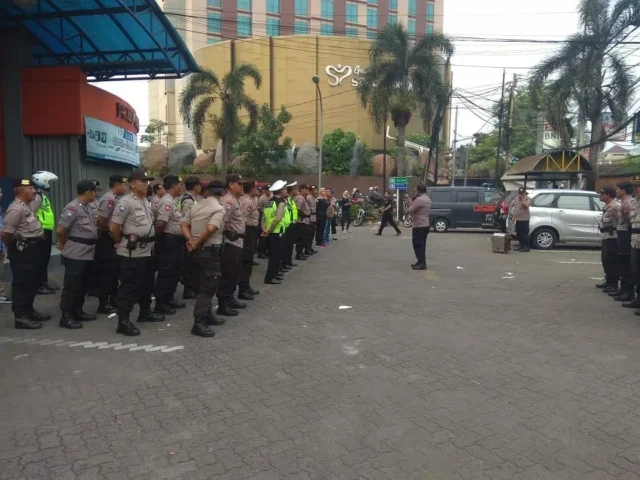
387	215
304	214
133	231
202	227
105	250
284	240
420	210
262	242
249	204
311	200
293	231
608	229
634	218
234	233
187	200
158	193
44	211
23	235
77	236
625	293
169	248
273	227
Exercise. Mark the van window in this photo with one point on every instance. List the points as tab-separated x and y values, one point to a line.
468	197
574	202
544	200
491	196
441	197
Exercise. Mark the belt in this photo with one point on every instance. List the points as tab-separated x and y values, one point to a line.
214	248
143	239
33	240
635	230
85	241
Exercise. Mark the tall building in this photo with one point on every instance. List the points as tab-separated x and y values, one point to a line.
203	23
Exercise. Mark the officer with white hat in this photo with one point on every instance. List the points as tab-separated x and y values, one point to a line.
273	227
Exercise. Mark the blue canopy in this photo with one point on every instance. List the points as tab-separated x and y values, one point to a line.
107	38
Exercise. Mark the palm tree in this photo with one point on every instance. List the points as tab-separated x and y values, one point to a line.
402	78
589	73
204	89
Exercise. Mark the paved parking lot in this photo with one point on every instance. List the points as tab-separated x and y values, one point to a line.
485	366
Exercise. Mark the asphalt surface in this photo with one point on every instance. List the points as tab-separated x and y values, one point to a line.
485	366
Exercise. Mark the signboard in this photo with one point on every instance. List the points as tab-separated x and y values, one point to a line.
339	73
106	141
636	129
609	126
551	140
397	183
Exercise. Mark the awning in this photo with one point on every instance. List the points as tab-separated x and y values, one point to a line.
108	38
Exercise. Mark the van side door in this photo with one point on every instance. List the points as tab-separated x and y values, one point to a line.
463	211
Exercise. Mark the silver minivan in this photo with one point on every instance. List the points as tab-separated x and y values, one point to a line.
563	216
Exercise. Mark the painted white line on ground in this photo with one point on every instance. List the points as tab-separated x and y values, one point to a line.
140	347
172	349
580	263
132	347
122	347
109	345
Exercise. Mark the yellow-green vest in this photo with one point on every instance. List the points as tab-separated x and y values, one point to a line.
183	198
294	209
269	212
45	214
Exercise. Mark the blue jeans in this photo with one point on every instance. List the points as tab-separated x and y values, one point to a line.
326	234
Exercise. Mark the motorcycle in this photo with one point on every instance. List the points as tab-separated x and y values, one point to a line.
360	217
406	218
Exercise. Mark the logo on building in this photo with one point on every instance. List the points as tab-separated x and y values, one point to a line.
128	115
339	73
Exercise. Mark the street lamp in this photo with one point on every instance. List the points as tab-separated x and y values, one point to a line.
316	80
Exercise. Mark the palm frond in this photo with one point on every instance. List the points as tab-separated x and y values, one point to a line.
199	116
428	46
391	41
593	15
621	91
251	106
200	83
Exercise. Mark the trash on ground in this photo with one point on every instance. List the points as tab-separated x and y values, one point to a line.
112	315
460	268
344	307
21	356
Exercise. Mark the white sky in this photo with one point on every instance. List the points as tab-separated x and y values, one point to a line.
477	66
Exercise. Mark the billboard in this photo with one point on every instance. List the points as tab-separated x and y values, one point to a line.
549	140
106	141
636	129
610	126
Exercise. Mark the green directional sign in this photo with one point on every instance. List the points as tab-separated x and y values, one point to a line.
397	183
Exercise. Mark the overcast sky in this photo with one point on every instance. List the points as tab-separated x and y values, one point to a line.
477	66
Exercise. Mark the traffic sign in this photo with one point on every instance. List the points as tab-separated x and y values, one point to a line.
397	183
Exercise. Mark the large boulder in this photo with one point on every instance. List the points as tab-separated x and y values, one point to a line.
237	162
307	158
219	153
377	162
205	160
357	155
155	158
180	155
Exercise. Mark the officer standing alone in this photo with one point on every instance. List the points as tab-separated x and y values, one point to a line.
77	237
249	204
24	238
273	227
420	211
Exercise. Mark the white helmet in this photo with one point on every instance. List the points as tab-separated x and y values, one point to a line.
41	179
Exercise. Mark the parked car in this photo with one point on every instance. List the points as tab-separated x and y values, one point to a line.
462	207
563	216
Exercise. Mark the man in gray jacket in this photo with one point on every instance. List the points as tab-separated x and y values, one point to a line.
420	210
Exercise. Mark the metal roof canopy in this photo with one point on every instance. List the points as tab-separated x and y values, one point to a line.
129	39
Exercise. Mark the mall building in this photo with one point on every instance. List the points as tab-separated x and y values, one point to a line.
290	41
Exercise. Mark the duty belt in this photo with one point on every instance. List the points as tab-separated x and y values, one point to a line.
144	239
85	241
635	230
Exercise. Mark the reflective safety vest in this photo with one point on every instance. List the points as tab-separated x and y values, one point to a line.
269	212
45	214
183	198
293	208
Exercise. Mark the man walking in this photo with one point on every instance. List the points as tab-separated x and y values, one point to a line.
420	210
387	215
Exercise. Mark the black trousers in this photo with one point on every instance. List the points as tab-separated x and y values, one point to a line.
45	257
274	241
207	263
321	221
109	268
168	259
345	219
75	284
26	269
624	261
304	231
334	225
387	219
635	268
229	267
246	261
188	274
290	238
136	284
609	258
311	234
522	232
419	242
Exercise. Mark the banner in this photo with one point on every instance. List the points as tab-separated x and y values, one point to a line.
610	126
636	129
106	141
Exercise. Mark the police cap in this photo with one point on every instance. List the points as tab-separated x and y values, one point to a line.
216	187
22	182
116	179
608	190
191	182
234	178
85	186
140	175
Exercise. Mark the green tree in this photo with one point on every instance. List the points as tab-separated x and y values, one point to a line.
589	73
402	78
154	131
264	147
337	148
204	89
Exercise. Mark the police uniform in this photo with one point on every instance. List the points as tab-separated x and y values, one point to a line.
293	231
609	250
250	208
262	241
304	214
77	254
133	215
206	258
420	211
169	250
273	224
311	201
25	260
634	218
188	274
625	293
387	216
41	205
154	201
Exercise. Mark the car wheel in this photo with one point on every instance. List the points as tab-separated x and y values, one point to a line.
440	225
544	239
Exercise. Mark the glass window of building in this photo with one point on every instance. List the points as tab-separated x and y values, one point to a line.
411	26
429	29
351	32
273	6
430	11
244	25
393	5
244	4
372	2
413	7
393	18
371	35
352	13
214	3
326	29
372	17
326	9
214	22
302	7
300	27
212	40
273	27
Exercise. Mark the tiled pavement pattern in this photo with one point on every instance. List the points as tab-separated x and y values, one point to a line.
453	373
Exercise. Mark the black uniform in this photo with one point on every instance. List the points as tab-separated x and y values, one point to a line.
387	217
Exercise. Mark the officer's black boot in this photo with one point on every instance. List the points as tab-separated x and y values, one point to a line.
173	303
292	265
253	291
614	291
262	256
84	317
279	276
68	321
602	285
624	297
225	309
188	294
632	304
37	316
233	303
24	323
244	294
213	320
163	309
146	315
201	328
125	327
105	307
301	256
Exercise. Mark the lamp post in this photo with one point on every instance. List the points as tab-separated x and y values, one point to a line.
316	80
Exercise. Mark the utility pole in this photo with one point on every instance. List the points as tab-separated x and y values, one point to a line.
384	159
466	162
500	117
509	123
455	141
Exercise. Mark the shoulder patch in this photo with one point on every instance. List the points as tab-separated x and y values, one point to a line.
167	208
122	208
228	205
111	204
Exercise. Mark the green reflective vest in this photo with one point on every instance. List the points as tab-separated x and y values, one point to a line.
183	198
293	208
269	213
45	214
